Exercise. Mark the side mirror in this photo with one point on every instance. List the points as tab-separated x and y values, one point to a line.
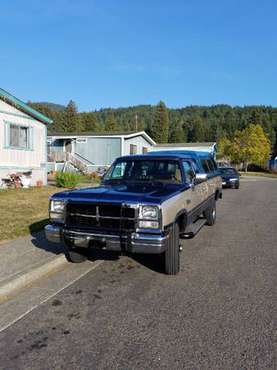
200	177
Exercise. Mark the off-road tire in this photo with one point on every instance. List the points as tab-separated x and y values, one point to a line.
72	253
210	214
172	253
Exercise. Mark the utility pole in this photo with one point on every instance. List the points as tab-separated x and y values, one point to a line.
136	122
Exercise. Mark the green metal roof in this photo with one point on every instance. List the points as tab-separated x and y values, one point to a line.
4	95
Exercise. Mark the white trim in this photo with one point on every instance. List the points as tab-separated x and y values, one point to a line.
122	146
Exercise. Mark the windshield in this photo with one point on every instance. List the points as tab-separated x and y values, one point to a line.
145	170
228	171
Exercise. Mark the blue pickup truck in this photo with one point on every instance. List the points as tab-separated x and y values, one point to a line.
144	204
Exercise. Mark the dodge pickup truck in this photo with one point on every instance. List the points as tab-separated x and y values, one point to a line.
144	204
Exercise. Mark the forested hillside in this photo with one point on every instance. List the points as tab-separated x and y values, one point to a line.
188	124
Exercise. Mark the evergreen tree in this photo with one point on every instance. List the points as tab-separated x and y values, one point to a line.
88	122
199	123
110	124
177	133
71	119
159	127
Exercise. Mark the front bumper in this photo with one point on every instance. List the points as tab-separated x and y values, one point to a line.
229	183
133	243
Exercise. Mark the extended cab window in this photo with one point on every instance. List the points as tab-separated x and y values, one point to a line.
211	165
189	172
205	165
145	170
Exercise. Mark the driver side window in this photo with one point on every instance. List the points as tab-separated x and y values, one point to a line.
189	172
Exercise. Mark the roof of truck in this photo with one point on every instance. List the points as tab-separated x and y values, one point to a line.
180	153
157	155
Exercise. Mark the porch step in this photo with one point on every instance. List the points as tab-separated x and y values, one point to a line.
193	229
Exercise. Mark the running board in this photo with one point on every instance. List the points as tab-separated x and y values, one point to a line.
193	229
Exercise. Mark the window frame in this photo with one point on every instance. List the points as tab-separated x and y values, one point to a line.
7	136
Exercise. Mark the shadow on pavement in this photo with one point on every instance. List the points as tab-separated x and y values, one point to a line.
39	240
152	262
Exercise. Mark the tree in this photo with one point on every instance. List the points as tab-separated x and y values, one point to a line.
71	119
251	145
177	133
197	132
159	129
110	124
88	121
225	148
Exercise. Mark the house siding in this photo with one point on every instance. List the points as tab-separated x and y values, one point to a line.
33	158
139	141
99	151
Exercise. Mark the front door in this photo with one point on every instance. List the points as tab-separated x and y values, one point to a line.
68	146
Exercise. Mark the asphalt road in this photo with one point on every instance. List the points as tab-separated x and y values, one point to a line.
220	312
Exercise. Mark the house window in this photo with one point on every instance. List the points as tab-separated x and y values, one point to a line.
19	137
133	149
144	150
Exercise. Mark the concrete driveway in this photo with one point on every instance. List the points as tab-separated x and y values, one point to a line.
220	312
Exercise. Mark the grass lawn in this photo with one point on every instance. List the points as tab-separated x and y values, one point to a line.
24	210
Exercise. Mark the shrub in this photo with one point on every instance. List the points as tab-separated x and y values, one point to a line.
94	177
67	179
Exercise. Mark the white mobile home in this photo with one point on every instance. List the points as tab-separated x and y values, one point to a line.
92	150
22	139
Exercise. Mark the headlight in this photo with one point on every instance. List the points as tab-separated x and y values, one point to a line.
57	206
149	217
149	213
56	210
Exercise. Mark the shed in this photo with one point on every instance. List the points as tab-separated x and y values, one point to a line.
23	132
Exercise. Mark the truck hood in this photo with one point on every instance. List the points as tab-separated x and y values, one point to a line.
130	193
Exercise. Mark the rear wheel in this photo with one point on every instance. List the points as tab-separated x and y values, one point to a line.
72	253
210	214
172	253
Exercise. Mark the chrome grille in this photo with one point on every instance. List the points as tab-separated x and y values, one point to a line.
96	216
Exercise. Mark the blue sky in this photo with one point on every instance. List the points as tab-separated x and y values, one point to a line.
120	53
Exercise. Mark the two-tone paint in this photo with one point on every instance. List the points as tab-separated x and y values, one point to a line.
176	201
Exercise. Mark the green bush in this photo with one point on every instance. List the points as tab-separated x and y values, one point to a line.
67	179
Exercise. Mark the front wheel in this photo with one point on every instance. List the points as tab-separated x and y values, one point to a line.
72	253
172	253
210	214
